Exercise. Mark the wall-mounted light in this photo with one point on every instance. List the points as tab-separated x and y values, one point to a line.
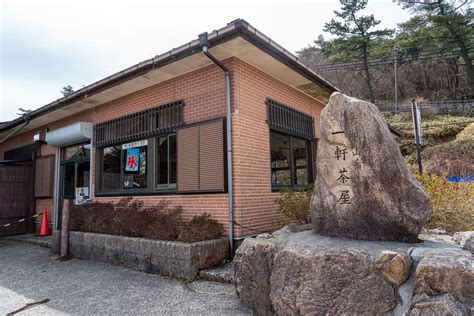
40	136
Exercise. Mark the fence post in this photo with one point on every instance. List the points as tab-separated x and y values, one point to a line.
415	114
64	245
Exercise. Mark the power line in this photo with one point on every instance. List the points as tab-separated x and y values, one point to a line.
427	54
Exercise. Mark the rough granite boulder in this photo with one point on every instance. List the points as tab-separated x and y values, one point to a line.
465	240
446	272
254	269
394	266
293	272
310	281
363	190
424	305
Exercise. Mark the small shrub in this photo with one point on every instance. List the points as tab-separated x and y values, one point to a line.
201	227
452	204
295	204
128	217
453	158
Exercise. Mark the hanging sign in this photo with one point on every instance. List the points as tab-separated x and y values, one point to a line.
132	160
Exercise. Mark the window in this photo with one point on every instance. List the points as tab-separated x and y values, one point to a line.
111	168
137	152
166	161
125	167
75	168
289	160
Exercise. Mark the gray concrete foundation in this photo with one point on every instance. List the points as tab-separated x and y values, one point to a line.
168	258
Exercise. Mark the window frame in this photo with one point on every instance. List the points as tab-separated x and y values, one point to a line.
309	163
168	186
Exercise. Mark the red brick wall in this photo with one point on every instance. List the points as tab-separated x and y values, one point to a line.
254	201
203	92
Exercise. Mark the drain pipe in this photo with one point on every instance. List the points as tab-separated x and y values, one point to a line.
203	42
16	130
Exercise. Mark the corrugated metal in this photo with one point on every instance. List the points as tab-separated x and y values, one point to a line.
188	159
15	198
284	119
160	120
211	156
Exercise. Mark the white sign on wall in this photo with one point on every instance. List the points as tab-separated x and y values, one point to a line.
140	143
82	195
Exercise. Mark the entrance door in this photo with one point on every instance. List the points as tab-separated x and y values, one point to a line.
16	198
75	171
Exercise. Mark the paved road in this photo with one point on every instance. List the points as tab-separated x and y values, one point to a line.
30	273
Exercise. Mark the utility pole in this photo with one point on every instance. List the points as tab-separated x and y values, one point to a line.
395	56
416	114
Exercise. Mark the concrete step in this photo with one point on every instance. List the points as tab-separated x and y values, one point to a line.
223	273
45	241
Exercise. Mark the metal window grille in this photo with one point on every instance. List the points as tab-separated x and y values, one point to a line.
160	120
284	119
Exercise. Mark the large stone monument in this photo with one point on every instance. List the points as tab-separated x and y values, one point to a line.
363	190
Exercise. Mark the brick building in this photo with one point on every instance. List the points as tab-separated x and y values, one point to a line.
159	130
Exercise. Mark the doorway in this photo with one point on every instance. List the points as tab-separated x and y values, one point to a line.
75	170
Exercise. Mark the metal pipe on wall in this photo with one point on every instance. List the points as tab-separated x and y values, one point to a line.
57	187
205	49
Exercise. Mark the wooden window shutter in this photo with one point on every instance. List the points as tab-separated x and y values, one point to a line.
38	177
211	156
44	176
188	159
201	149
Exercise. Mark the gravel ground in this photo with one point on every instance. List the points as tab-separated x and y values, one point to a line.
30	273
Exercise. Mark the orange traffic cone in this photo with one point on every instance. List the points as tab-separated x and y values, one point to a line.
44	228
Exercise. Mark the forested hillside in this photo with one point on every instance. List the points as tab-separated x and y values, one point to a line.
431	53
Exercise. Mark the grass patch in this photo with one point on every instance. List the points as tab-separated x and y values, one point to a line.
436	129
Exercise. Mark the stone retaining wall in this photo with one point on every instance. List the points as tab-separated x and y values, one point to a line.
168	258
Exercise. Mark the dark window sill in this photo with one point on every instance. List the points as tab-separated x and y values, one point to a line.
278	188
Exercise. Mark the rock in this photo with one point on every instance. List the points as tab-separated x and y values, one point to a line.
445	272
363	189
253	263
394	266
304	273
310	281
435	231
465	240
424	305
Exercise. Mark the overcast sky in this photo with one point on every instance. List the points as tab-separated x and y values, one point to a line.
48	44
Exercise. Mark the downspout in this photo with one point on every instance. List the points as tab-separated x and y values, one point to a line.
205	49
16	130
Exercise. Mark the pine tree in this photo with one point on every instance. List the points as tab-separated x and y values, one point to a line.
67	90
443	24
355	36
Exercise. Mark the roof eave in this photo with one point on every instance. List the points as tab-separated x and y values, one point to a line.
236	28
